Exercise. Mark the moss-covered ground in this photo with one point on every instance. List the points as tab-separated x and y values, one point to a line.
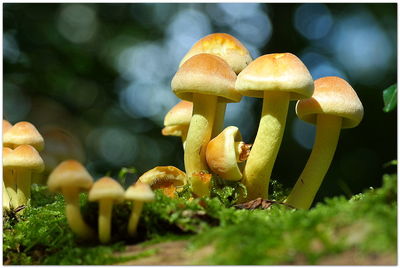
364	226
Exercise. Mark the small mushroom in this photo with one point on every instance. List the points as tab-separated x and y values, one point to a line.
70	178
201	181
139	193
277	78
167	178
177	120
23	133
203	79
334	105
9	179
24	160
106	191
225	152
230	50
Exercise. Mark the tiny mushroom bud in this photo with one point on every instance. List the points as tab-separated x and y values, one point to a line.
201	181
69	178
106	191
139	193
334	105
225	151
9	179
24	160
230	50
177	120
277	78
167	178
203	79
23	133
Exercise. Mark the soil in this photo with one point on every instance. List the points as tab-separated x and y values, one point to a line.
177	253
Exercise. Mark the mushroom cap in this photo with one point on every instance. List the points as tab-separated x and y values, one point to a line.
221	154
140	192
69	173
162	174
24	156
333	96
106	188
222	45
23	133
205	74
7	152
177	120
276	72
6	126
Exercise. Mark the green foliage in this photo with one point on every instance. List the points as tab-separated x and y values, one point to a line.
390	98
366	222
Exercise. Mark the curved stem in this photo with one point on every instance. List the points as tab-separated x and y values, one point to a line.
105	210
73	214
306	187
134	218
183	137
260	162
23	176
199	134
11	185
218	125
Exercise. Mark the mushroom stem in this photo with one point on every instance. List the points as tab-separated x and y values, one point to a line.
105	211
73	213
6	198
260	162
199	134
10	186
219	119
134	218
306	187
23	176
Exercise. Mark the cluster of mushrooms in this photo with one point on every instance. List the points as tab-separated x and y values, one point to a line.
21	160
217	70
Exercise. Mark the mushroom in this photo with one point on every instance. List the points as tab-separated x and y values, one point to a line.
277	78
229	49
139	193
70	178
106	191
177	120
6	198
6	126
24	160
334	105
225	151
9	180
167	178
203	79
23	133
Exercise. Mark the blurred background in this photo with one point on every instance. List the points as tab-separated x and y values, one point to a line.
95	79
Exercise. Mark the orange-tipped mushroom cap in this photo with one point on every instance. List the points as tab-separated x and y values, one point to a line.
25	156
164	177
106	188
205	74
276	72
334	96
23	133
6	126
177	120
222	156
140	192
224	46
69	173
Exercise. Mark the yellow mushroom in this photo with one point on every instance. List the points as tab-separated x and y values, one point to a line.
333	106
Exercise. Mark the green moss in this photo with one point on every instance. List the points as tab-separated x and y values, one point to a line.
366	223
